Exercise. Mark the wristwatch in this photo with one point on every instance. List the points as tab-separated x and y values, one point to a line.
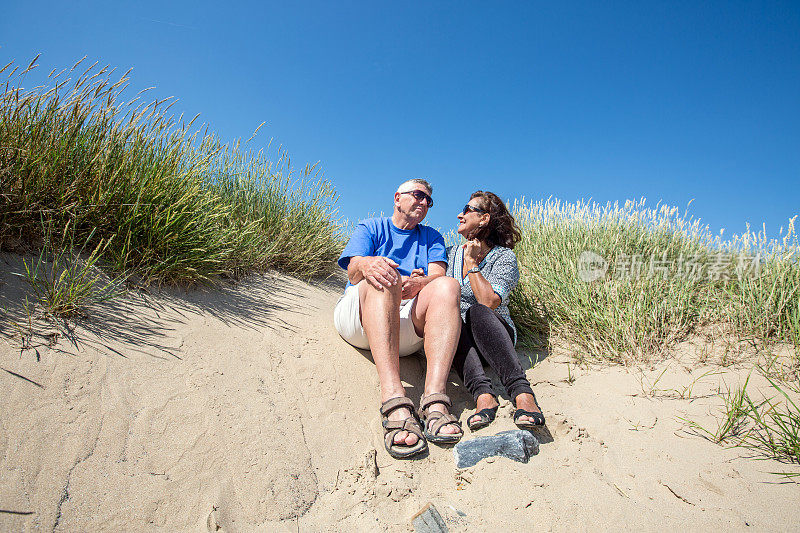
473	270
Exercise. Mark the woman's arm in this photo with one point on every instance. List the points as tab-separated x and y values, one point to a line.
494	287
481	288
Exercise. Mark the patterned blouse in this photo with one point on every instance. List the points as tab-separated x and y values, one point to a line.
500	269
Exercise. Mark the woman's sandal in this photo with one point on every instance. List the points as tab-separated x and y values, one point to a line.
538	418
391	428
434	420
486	417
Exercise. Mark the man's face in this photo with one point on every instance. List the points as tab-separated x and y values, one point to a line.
412	201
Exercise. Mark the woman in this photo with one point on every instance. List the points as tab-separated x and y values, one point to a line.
486	268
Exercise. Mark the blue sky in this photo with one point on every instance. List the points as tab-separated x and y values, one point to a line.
673	101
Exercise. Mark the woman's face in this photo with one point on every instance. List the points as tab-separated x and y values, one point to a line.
471	218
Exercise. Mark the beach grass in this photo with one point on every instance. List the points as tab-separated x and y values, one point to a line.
769	426
775	422
626	283
169	201
65	278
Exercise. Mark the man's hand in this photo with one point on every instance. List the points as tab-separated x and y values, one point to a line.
380	272
413	284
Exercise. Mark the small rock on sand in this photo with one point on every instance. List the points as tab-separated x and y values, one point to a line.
517	444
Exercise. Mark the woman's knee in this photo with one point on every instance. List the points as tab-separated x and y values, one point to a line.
481	313
484	322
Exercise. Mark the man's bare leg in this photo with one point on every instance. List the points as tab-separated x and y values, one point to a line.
437	320
380	317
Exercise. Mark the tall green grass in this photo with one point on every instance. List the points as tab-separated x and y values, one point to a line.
65	279
769	426
172	201
749	285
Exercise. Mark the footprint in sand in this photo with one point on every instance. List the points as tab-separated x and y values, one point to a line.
564	428
212	523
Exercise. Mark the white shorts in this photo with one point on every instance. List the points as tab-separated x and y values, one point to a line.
347	319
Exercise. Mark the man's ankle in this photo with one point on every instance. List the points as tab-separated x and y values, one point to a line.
393	393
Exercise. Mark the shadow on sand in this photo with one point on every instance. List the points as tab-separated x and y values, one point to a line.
143	320
147	318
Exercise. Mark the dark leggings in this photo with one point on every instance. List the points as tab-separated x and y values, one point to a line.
485	337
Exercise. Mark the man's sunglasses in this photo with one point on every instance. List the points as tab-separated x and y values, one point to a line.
419	196
468	208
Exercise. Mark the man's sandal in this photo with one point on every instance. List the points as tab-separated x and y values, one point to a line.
485	417
434	420
392	427
538	418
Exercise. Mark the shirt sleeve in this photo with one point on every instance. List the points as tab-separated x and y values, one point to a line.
361	244
436	248
504	275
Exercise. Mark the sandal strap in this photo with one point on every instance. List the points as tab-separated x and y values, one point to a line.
490	413
436	420
396	403
538	417
403	450
410	424
435	397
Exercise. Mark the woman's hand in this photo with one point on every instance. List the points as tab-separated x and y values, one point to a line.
472	254
481	287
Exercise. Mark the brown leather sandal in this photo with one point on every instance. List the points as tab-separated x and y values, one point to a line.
391	428
434	420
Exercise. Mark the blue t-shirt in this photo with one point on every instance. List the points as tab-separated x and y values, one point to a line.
409	248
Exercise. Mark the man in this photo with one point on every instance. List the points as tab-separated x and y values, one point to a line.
398	300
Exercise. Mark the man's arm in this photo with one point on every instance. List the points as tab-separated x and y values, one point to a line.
378	271
416	281
436	269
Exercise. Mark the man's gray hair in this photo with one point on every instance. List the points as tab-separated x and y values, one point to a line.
404	186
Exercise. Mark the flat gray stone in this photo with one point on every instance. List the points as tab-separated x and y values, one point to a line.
518	445
428	520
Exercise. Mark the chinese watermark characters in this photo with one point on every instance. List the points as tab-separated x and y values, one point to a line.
696	267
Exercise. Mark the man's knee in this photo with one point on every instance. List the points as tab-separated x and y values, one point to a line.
444	290
366	290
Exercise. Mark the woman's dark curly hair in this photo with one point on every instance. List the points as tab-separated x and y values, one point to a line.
501	230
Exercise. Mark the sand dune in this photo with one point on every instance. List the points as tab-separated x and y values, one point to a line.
240	409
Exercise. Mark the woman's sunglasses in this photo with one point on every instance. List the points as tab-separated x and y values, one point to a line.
419	196
468	208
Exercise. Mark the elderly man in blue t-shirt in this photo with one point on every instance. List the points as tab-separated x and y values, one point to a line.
397	301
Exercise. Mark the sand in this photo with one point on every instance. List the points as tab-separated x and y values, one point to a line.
241	409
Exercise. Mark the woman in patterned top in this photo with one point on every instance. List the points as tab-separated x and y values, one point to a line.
486	268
